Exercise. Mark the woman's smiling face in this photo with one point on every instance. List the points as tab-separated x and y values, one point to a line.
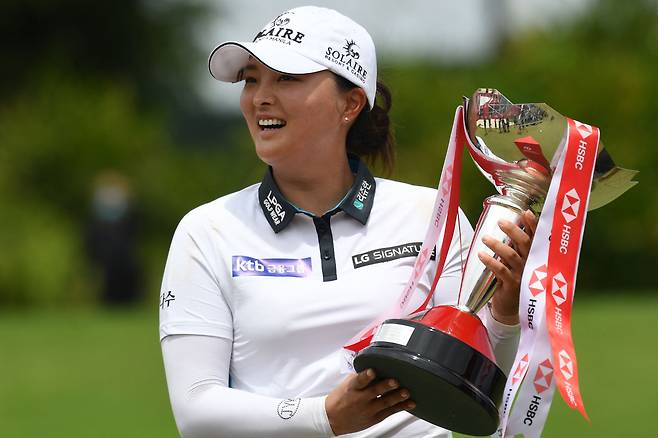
293	118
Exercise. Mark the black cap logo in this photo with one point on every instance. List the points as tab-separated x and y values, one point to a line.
350	49
280	21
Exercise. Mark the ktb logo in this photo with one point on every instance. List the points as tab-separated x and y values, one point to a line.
566	364
537	282
543	376
560	289
570	205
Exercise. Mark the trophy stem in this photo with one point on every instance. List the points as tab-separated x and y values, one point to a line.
478	282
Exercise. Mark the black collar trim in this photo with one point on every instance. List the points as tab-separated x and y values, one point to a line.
357	203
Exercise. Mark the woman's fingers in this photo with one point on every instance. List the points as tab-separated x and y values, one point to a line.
381	388
502	272
508	255
402	406
384	394
363	379
359	401
390	399
530	221
515	255
520	238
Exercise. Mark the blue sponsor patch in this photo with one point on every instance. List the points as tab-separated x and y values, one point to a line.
249	266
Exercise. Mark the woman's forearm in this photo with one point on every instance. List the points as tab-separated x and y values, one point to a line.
204	406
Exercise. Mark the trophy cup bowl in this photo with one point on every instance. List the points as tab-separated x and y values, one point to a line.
443	355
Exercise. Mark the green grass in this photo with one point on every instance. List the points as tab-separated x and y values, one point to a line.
71	373
82	374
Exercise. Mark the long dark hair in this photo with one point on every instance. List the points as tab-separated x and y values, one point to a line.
371	136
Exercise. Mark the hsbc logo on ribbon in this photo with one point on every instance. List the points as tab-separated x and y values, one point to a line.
520	369
543	376
570	205
445	187
566	364
537	282
560	288
584	129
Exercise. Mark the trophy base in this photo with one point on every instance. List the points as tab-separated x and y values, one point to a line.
454	385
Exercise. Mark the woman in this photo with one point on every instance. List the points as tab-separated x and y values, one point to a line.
266	285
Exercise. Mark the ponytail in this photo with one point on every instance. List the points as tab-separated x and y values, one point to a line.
371	137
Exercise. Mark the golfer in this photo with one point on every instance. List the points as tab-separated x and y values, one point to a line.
264	286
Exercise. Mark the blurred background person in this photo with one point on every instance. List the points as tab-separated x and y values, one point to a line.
112	239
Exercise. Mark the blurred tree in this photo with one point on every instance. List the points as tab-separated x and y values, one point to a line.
55	140
600	69
146	45
85	88
89	87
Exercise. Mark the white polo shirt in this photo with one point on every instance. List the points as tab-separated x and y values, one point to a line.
290	289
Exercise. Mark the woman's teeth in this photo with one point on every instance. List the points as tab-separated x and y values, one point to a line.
271	123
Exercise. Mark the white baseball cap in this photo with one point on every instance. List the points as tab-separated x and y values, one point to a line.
304	40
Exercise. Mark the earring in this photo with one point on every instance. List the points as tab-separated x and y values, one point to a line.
347	119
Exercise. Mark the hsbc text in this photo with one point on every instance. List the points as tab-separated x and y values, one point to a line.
558	320
532	410
564	241
580	158
531	312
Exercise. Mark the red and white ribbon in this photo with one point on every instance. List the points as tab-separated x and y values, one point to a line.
546	354
532	299
444	213
568	227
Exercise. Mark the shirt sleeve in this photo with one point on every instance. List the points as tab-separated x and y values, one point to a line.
205	407
504	339
191	298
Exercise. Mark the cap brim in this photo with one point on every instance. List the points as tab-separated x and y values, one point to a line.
226	61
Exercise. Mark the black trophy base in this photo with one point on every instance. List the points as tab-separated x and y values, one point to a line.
453	385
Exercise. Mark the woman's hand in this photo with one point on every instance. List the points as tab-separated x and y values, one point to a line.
509	269
358	403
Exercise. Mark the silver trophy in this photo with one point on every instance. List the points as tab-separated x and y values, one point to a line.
447	362
515	146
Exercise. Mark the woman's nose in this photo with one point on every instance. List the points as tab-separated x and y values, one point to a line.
264	95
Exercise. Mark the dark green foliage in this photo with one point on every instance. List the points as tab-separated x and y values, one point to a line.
600	70
55	140
89	87
142	44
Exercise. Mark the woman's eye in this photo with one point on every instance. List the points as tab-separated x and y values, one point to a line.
286	78
249	80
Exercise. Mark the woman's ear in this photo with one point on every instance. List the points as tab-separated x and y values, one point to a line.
355	100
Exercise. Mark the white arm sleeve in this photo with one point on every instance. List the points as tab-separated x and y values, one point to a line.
204	406
504	339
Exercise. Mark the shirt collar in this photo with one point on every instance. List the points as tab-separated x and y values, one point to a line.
357	203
